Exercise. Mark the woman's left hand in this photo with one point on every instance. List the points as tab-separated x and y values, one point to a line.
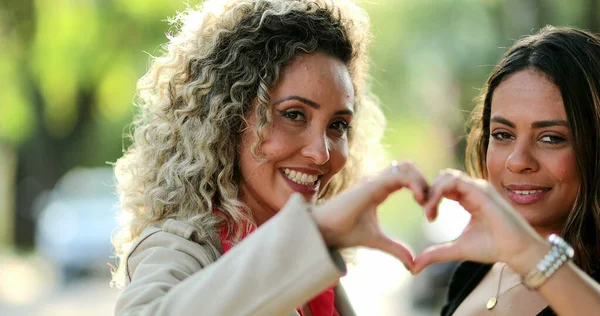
350	219
495	233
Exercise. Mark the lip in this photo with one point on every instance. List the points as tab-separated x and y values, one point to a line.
300	188
527	198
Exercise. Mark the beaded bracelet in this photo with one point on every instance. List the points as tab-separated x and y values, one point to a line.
558	254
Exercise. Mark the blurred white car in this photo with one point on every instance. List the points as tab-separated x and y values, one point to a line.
76	220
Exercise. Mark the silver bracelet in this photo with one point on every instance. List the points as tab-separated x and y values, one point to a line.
560	252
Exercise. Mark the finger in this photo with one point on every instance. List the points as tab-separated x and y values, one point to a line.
437	253
471	194
436	194
458	186
396	249
407	174
430	207
420	192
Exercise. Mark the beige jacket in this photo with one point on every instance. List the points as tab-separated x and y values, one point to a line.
276	269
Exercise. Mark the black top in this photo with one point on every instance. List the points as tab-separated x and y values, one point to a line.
466	277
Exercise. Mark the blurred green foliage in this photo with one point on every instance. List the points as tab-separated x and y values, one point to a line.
427	55
70	60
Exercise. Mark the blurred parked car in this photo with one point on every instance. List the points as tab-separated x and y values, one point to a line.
76	220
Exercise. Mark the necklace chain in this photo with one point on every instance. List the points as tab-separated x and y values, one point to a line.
493	301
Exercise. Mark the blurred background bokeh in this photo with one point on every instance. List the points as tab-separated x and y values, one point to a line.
68	70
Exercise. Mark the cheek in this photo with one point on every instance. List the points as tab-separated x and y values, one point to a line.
274	149
338	155
495	162
564	168
276	142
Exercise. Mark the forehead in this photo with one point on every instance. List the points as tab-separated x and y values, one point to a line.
528	95
319	77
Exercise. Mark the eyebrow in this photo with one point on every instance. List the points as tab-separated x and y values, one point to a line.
311	103
537	124
549	123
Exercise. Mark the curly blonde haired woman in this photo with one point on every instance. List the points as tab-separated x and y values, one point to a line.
257	111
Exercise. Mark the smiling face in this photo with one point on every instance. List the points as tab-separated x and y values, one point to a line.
530	157
307	142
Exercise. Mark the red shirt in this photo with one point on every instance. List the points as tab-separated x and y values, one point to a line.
320	305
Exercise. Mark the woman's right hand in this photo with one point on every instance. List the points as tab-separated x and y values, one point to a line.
350	218
496	232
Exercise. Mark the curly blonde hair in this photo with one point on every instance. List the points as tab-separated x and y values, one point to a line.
219	67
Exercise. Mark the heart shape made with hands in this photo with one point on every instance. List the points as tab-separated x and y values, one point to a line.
495	232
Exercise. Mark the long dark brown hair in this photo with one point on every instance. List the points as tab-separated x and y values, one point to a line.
570	58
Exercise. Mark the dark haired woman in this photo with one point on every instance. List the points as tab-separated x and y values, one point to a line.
536	142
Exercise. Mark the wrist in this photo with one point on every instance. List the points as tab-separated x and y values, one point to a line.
324	229
530	255
560	252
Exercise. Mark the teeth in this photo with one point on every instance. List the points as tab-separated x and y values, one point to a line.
526	192
301	178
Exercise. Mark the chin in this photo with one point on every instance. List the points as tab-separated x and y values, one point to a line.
531	213
539	220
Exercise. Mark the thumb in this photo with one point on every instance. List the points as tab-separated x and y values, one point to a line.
396	249
436	253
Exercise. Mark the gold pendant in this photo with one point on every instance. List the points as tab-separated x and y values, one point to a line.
491	303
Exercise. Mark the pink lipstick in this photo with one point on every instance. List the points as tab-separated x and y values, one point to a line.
526	194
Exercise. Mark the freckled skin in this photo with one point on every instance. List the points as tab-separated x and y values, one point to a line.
526	155
301	135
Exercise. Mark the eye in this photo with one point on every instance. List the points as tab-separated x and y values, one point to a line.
293	115
501	136
552	139
340	126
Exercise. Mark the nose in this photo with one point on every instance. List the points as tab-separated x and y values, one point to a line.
522	159
316	148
